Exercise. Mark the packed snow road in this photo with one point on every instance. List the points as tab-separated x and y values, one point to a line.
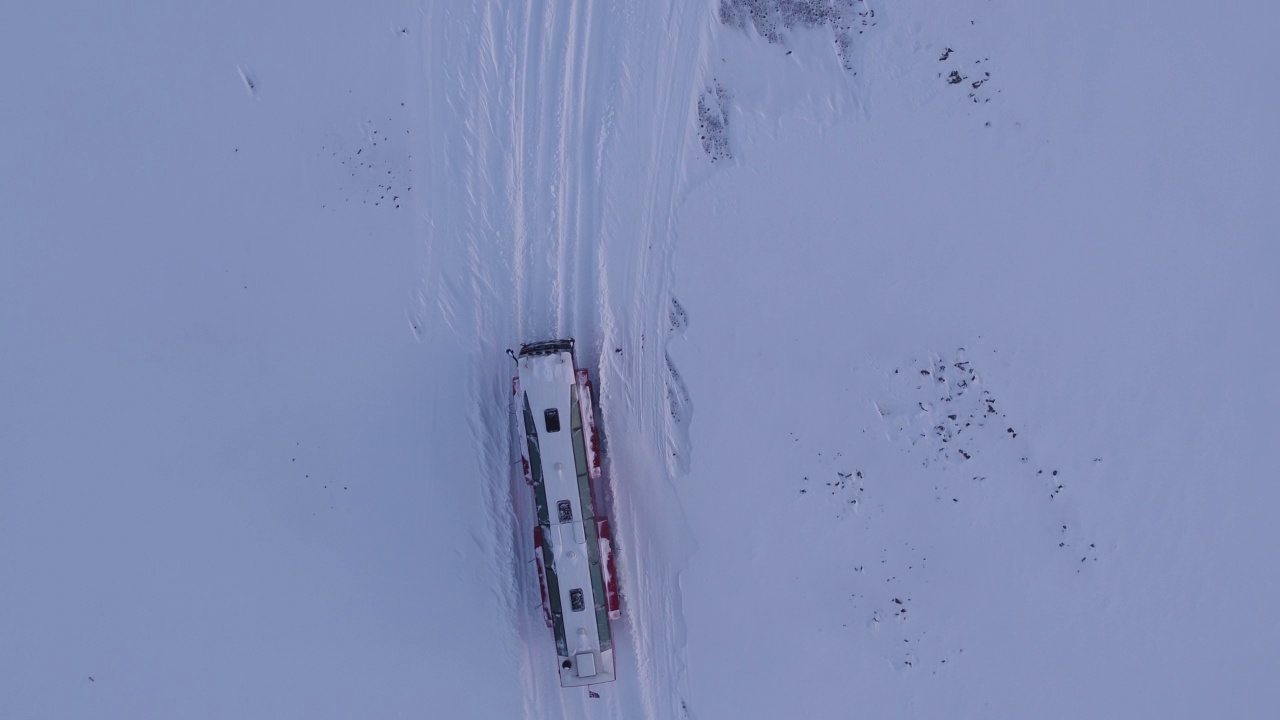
559	136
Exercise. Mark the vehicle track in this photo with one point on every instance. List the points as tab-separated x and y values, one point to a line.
558	149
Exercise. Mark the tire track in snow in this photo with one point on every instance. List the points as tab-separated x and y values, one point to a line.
553	181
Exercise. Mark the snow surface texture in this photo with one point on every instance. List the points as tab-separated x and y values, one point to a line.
961	411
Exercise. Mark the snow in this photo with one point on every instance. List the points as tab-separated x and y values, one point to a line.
259	265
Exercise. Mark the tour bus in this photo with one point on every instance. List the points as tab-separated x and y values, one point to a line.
560	455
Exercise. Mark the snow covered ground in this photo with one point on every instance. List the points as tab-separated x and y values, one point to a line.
932	346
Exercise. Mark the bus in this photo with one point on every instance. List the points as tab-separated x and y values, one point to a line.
560	457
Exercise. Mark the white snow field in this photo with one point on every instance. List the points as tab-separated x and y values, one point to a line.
933	345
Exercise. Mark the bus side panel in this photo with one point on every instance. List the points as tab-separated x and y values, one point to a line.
612	597
589	424
542	574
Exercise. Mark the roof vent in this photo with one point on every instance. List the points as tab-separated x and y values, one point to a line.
586	663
